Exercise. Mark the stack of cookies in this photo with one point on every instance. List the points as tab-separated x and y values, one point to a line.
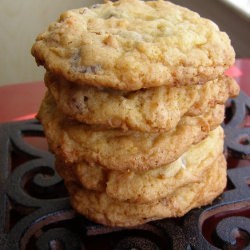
136	94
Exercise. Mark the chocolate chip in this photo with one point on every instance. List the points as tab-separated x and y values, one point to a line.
93	69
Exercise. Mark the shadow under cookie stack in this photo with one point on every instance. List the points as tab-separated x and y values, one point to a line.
136	95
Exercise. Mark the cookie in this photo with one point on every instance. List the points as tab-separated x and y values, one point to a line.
148	186
91	177
100	208
156	109
121	150
132	44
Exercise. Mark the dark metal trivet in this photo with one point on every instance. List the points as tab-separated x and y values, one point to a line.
35	212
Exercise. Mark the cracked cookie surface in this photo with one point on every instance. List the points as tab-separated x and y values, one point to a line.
157	109
117	149
148	186
99	207
132	44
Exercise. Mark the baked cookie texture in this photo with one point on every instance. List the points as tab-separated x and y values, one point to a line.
121	150
132	44
136	96
101	208
152	185
157	109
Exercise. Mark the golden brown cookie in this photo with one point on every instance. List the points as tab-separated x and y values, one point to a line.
92	177
132	44
116	149
148	186
156	109
101	208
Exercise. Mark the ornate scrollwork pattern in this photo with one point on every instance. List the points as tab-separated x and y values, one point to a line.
35	212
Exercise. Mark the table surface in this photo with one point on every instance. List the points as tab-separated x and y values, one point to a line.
21	101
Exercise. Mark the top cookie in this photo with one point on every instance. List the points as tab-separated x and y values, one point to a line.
132	44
